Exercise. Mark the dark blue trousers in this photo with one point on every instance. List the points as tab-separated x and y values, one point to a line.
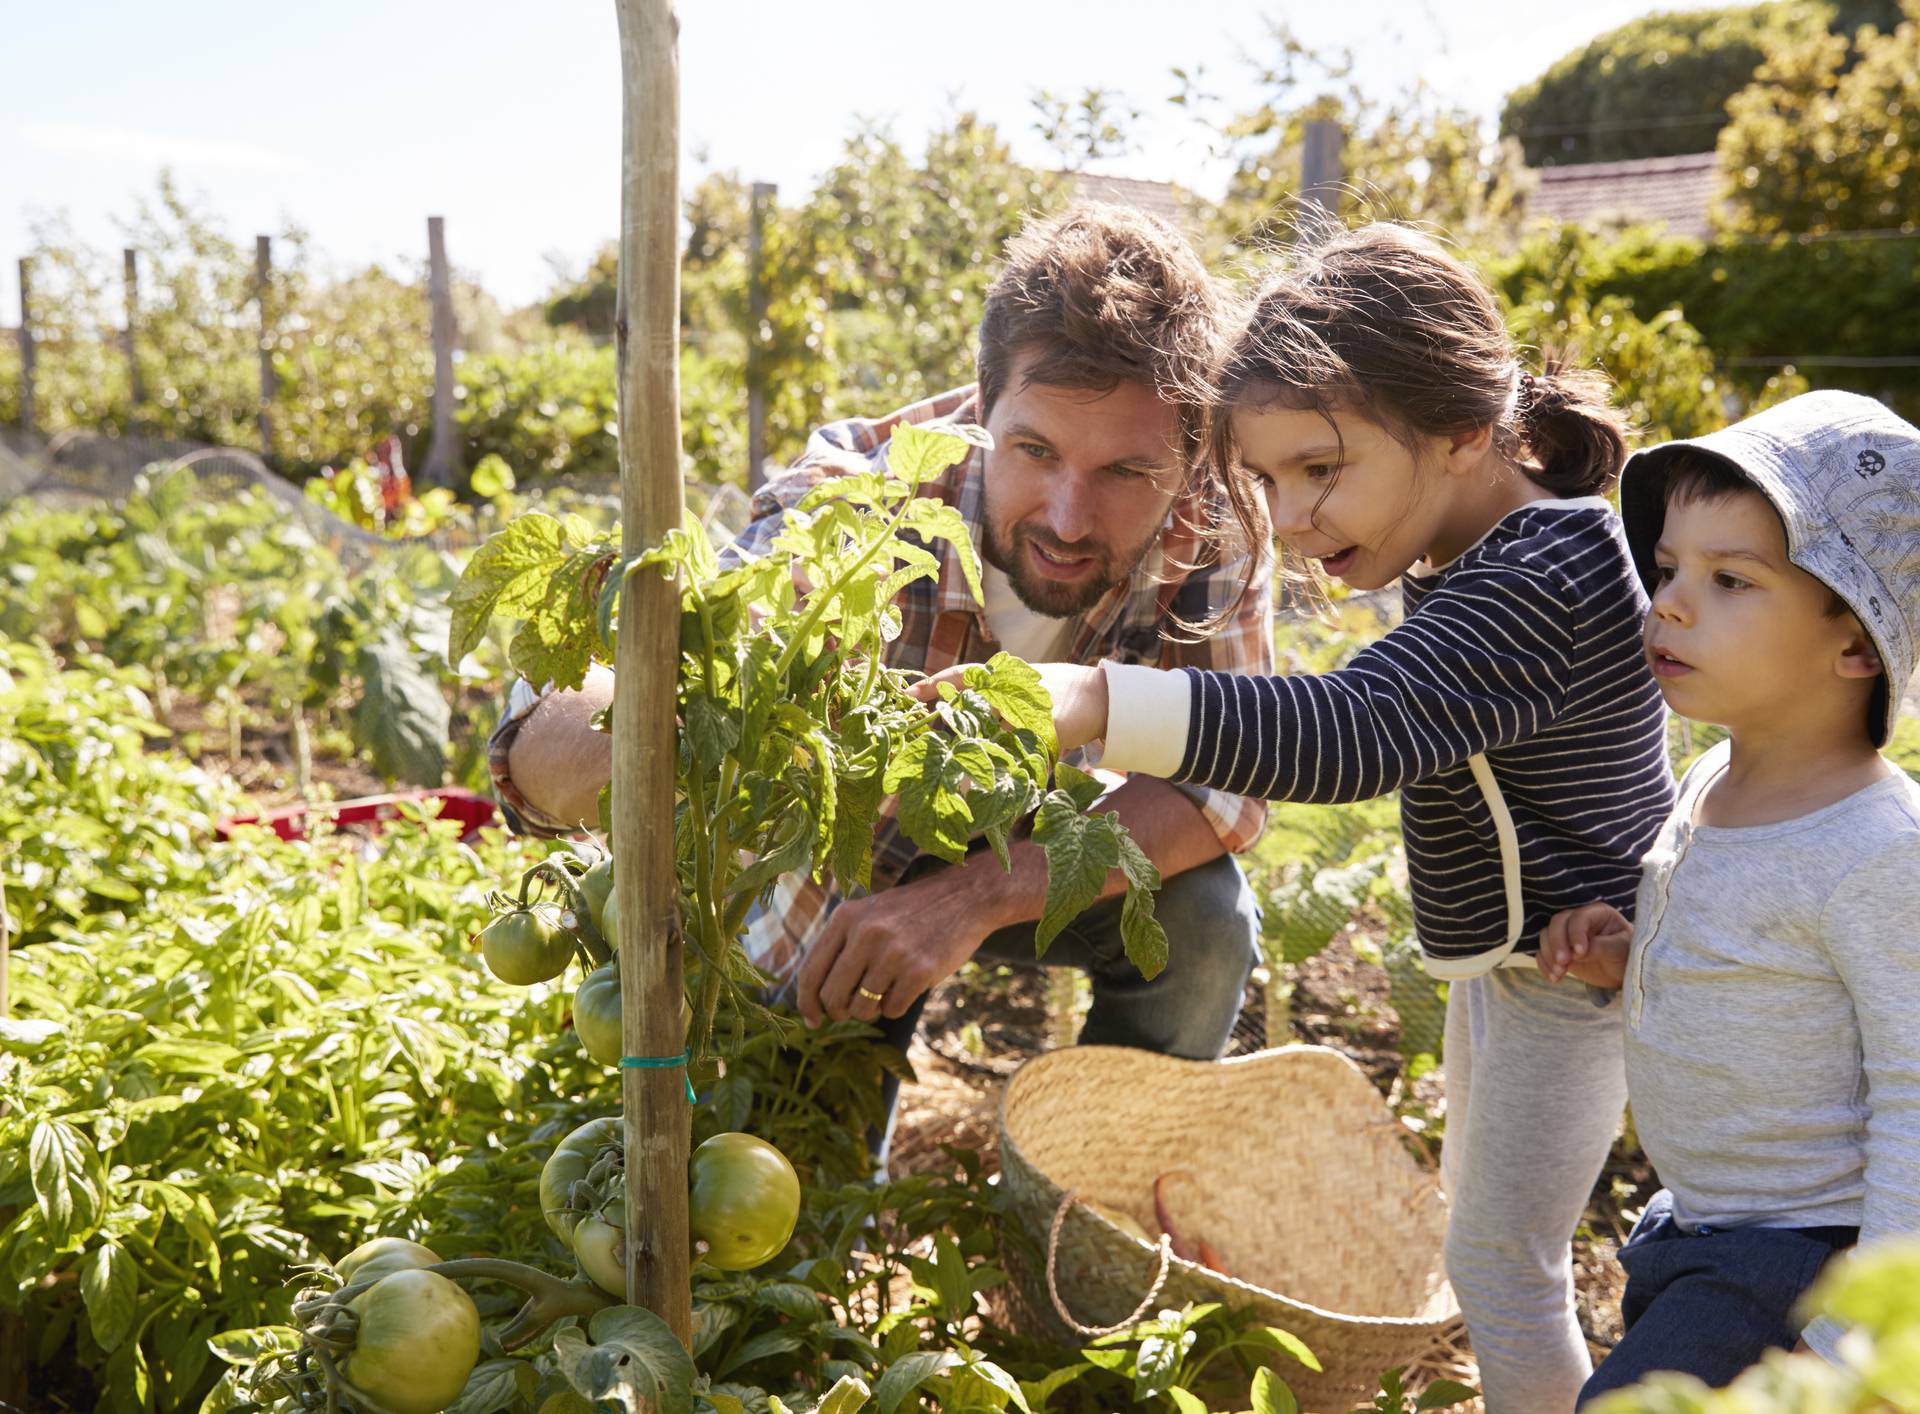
1712	1301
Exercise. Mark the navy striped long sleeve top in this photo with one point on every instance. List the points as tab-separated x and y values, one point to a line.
1526	648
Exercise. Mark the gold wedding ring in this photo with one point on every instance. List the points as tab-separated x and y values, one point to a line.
869	995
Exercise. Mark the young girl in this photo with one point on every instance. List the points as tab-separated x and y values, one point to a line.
1374	419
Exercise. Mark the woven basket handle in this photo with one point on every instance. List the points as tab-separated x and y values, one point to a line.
1053	1283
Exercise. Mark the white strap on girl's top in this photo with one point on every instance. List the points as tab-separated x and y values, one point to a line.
1450	968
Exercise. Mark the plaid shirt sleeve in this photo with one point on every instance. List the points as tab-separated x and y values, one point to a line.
853	444
1244	644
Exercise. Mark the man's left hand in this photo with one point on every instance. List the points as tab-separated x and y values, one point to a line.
894	945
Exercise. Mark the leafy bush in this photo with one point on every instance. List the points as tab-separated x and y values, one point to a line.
196	1097
1752	304
1658	86
92	825
1824	137
550	409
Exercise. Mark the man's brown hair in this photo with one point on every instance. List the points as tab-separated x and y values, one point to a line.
1102	295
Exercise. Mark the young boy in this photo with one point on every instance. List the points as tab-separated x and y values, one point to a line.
1772	980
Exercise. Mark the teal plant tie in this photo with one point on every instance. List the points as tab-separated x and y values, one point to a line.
659	1063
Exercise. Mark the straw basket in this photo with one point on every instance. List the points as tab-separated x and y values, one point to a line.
1287	1162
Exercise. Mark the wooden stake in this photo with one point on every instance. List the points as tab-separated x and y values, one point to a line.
646	664
1320	174
756	353
262	278
135	394
443	456
26	344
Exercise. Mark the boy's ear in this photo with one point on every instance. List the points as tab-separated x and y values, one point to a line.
1859	659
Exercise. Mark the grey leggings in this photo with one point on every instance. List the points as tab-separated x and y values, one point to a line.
1535	1086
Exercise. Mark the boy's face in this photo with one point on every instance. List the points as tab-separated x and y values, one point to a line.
1738	634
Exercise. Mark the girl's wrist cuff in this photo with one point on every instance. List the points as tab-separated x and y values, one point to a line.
1148	711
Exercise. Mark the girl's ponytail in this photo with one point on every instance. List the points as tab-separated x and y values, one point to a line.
1574	438
1385	320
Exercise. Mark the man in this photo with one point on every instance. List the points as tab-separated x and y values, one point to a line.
1100	538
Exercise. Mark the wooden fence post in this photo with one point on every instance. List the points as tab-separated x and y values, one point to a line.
443	456
263	281
1320	172
756	349
131	281
646	665
26	344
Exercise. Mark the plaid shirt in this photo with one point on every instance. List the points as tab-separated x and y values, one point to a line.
943	625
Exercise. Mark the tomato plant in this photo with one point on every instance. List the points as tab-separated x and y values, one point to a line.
793	730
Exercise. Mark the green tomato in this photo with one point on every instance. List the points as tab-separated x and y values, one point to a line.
601	1249
382	1257
745	1200
609	919
567	1165
417	1342
527	945
597	885
596	1014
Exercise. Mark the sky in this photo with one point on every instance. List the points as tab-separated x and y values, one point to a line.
358	119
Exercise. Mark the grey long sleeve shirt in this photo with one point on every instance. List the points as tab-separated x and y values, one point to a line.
1773	1015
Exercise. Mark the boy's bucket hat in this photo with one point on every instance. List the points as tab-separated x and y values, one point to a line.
1844	474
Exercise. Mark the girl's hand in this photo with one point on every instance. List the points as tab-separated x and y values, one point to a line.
1079	699
1589	943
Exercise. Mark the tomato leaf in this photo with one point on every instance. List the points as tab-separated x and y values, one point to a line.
496	1384
1081	850
504	575
635	1362
1140	932
933	808
916	452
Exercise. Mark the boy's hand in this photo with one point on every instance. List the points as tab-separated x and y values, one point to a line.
1079	699
1588	943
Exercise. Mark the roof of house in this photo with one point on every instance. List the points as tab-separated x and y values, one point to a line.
1161	199
1679	191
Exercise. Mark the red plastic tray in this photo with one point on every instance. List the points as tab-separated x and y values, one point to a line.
472	810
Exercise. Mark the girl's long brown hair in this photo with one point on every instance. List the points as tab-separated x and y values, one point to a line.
1383	321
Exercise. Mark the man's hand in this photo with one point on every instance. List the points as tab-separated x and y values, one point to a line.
896	944
1079	698
1589	943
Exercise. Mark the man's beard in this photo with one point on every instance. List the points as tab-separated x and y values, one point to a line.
1054	599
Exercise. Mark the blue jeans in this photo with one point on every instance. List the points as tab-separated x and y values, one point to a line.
1213	941
1712	1301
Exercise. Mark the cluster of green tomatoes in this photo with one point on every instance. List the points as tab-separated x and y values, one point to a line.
394	1332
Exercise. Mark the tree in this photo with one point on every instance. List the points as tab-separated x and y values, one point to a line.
1412	158
1658	86
1816	144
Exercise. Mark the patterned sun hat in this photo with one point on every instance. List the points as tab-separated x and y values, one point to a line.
1844	474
